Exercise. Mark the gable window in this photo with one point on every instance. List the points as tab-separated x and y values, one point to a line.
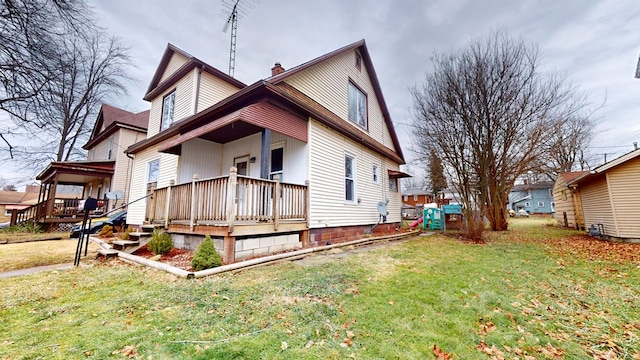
277	157
152	175
358	61
375	174
168	103
349	178
357	106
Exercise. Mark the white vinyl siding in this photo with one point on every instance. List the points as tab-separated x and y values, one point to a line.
349	178
166	173
124	165
200	157
175	63
183	103
326	165
212	90
327	83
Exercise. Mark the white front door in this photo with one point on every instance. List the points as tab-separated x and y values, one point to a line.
242	164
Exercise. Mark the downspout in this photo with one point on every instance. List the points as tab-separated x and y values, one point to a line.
197	95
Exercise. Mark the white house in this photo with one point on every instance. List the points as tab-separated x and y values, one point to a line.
318	136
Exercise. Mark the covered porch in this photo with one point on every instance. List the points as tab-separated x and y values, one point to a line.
241	213
54	208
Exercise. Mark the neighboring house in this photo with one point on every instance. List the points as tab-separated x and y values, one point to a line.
318	136
608	196
536	198
563	197
15	200
416	196
106	169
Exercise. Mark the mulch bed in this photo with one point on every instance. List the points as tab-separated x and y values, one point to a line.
176	257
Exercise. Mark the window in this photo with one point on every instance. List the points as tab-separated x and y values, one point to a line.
152	176
564	194
406	198
277	157
540	203
110	148
168	103
551	193
375	174
349	178
393	184
358	61
7	212
415	197
357	106
527	204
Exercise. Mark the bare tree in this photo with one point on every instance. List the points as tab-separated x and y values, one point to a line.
29	33
91	69
566	146
437	179
487	109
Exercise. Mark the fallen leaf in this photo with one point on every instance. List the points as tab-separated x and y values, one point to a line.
130	351
350	335
513	320
309	344
348	342
440	354
391	302
284	345
487	328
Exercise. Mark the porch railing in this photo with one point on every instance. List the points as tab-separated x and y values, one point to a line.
227	200
53	208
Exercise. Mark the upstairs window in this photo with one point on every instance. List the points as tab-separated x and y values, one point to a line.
375	174
110	148
357	106
168	103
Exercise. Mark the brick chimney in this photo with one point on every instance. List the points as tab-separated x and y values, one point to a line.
277	69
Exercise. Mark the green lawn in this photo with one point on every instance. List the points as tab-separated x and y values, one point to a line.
534	292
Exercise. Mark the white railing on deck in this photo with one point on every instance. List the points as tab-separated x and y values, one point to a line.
227	200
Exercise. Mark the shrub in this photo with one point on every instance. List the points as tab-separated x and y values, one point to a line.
206	257
106	231
25	227
160	243
125	235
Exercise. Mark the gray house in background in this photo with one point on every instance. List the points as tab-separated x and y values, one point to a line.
536	198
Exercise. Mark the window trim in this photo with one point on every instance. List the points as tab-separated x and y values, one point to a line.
352	178
393	184
171	94
110	148
539	203
275	146
366	105
527	204
376	174
157	160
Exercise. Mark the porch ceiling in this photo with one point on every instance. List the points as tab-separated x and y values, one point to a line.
241	123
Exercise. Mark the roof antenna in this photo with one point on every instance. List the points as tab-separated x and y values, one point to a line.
233	10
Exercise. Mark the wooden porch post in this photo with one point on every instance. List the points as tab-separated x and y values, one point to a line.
276	201
231	197
265	154
51	199
229	252
167	202
194	202
307	204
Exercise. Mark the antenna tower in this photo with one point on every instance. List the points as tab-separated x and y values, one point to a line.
233	11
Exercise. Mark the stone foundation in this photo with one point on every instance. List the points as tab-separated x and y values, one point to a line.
335	235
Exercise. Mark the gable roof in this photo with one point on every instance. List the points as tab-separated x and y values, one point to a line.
275	90
17	197
606	166
110	118
362	48
535	186
156	87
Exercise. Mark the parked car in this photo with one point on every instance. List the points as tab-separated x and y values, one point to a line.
118	218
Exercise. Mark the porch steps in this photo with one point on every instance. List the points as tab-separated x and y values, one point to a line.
139	235
123	244
107	253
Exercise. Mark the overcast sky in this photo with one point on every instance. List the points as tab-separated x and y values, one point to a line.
595	42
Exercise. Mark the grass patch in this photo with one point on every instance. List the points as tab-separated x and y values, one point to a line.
39	253
518	294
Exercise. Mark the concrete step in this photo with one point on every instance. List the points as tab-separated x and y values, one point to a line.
107	253
121	244
139	235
